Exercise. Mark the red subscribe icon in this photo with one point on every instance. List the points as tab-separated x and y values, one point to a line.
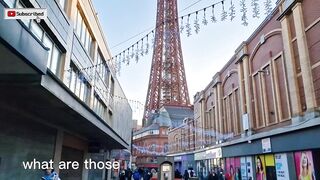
11	13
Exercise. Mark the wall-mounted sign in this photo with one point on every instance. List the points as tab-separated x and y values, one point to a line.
200	155
177	158
214	153
281	166
266	145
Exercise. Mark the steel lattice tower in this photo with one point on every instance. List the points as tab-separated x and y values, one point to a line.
167	83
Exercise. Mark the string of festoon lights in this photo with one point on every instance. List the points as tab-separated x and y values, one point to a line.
209	13
135	104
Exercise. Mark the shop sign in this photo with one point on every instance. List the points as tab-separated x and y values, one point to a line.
281	166
213	153
200	156
177	158
266	145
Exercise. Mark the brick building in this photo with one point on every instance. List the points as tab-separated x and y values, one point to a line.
152	141
182	144
262	107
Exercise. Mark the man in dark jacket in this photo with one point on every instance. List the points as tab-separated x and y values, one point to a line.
128	174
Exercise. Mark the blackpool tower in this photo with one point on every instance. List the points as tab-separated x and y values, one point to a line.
167	83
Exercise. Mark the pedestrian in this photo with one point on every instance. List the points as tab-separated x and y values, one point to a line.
177	174
122	175
50	174
136	175
147	174
154	174
128	174
212	176
186	175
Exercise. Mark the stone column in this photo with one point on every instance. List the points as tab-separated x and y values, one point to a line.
220	109
304	57
247	88
290	68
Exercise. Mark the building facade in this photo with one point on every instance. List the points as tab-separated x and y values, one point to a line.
60	98
152	141
259	116
182	144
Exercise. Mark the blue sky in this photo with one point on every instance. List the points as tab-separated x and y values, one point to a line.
204	53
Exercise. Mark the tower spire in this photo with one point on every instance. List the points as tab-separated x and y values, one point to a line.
167	82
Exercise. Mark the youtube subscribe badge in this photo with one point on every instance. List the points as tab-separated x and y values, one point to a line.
25	13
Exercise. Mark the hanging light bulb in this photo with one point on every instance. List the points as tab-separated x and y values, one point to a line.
232	13
147	45
132	51
213	17
181	25
255	8
224	14
204	19
128	57
243	9
142	48
137	52
268	7
188	26
196	24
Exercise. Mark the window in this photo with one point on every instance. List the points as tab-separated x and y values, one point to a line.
10	3
78	84
62	4
98	106
83	33
49	44
36	30
54	54
78	24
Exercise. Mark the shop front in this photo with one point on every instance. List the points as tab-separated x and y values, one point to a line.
184	162
207	161
294	156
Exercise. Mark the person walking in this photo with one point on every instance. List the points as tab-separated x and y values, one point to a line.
136	175
186	175
122	175
50	174
128	174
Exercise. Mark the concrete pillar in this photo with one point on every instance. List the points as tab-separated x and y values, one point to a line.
85	172
304	57
290	68
58	150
